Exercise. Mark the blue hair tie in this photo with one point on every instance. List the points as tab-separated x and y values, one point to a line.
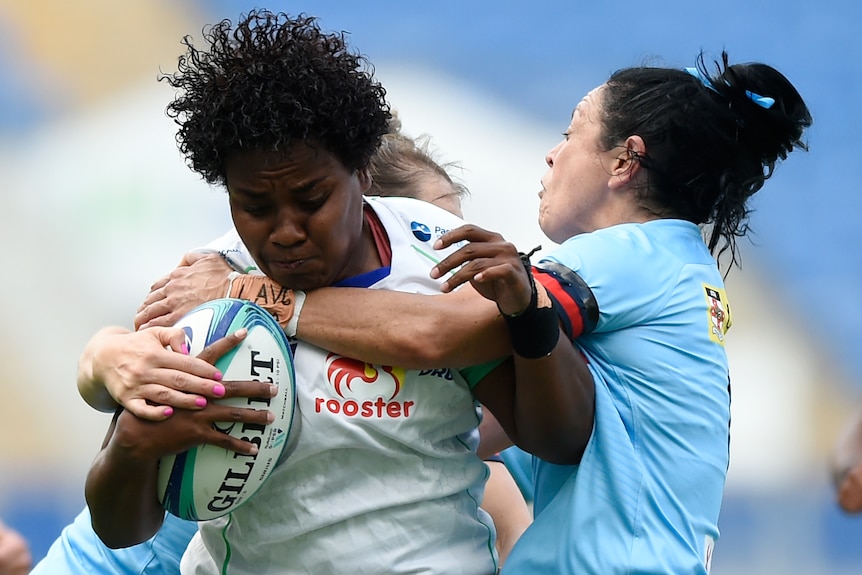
763	101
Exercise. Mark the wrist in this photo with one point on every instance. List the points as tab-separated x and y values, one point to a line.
535	330
279	301
292	324
92	385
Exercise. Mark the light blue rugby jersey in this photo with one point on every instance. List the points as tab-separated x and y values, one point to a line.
79	551
646	495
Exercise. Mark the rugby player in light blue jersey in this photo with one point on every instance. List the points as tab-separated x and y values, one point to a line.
648	157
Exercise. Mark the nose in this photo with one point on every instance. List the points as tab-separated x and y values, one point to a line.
552	153
289	227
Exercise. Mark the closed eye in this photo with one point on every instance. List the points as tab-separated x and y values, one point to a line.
255	209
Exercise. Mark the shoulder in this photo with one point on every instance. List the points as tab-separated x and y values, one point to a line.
422	220
632	269
643	253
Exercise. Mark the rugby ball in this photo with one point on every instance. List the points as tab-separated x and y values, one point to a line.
206	482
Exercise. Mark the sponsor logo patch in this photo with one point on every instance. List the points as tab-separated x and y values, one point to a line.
718	313
421	231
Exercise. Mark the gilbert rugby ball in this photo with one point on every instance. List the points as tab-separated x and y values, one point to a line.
206	482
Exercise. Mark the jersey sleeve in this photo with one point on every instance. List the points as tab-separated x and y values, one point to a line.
476	373
573	299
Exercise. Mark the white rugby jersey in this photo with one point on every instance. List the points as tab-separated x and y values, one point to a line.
384	477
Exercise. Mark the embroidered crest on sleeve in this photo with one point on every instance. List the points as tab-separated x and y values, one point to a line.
718	313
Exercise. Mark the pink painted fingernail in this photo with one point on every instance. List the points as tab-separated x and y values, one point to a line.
169	411
185	349
201	401
218	390
217	376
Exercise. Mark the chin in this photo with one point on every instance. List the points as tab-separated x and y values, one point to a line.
552	234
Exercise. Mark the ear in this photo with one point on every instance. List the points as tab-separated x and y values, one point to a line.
625	166
364	178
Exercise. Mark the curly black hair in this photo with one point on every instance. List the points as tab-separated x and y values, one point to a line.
269	82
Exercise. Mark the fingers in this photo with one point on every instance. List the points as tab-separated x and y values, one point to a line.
491	264
252	389
218	348
467	232
171	337
144	410
218	414
186	429
481	243
474	259
156	293
157	402
159	284
151	370
156	314
183	288
225	418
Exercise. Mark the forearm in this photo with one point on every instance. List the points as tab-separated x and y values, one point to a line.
90	385
555	403
121	493
546	405
409	330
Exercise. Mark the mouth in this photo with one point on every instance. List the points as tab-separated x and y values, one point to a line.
286	265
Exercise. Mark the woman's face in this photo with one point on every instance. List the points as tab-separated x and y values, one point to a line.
574	188
300	215
436	190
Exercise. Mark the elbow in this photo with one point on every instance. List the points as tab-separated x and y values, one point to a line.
117	524
116	536
563	443
112	541
558	452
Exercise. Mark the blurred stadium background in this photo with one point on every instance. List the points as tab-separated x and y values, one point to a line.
97	203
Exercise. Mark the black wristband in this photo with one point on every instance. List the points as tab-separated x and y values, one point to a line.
534	332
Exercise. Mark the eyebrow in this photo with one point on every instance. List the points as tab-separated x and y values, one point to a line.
298	190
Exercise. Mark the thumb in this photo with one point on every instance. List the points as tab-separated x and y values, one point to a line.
173	338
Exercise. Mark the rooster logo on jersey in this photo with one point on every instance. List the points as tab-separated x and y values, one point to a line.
363	390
